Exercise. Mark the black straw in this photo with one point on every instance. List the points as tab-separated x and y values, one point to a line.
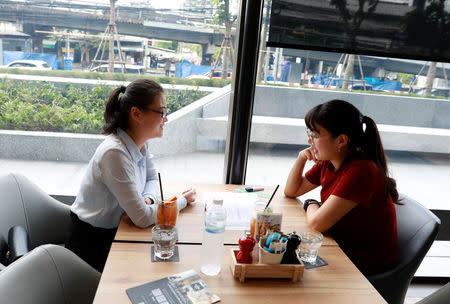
273	194
160	187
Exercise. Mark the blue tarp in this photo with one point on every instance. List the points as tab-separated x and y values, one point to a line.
68	64
388	85
376	83
184	69
373	81
9	56
323	79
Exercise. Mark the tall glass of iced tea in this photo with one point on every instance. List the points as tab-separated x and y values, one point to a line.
167	212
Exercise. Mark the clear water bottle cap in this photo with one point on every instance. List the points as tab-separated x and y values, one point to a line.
218	201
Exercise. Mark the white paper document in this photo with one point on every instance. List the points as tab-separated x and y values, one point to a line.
238	206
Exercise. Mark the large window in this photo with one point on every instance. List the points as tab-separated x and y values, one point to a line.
59	62
409	100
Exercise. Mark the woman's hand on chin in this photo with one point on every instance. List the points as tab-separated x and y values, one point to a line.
308	154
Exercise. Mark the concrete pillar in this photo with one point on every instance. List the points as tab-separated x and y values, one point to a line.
339	69
207	53
37	44
278	62
319	68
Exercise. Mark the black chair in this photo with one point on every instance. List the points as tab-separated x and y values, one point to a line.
417	228
22	203
49	274
440	296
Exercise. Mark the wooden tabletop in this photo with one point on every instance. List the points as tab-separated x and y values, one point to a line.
190	221
129	265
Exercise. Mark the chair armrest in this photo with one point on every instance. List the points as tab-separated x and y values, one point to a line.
18	243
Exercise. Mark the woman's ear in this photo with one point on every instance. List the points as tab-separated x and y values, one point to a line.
343	141
135	114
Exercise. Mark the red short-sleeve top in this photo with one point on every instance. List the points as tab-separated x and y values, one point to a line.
368	233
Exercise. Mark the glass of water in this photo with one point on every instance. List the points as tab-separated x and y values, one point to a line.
164	238
309	245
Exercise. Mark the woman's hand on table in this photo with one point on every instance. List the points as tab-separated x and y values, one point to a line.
190	195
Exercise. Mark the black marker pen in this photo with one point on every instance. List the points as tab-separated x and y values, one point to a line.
254	189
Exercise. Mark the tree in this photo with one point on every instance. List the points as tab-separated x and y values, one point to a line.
428	28
348	71
263	49
352	24
430	78
223	16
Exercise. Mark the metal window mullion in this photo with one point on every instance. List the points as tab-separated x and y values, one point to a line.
243	92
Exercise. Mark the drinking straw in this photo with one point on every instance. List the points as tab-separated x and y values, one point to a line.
273	194
160	187
162	200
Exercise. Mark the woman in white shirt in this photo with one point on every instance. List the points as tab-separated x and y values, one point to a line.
121	176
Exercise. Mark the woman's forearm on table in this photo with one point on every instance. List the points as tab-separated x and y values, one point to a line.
295	177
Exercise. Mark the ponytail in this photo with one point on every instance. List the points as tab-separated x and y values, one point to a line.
140	93
373	149
112	114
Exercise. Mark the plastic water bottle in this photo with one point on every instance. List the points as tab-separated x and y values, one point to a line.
213	234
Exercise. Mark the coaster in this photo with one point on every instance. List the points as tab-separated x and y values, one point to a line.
319	262
174	258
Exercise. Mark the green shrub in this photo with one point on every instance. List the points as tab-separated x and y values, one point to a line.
42	106
118	76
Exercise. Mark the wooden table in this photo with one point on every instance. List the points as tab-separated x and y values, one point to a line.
190	220
129	265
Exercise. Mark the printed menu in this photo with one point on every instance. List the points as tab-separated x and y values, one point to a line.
186	288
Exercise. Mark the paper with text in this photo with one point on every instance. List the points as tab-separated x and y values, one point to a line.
238	206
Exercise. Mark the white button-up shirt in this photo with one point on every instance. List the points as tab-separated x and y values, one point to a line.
118	179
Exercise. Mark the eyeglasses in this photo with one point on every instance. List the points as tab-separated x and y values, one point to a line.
163	112
310	136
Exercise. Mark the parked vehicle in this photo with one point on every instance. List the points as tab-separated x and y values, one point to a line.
360	87
29	64
434	92
129	68
218	74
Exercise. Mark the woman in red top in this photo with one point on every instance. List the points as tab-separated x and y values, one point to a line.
357	194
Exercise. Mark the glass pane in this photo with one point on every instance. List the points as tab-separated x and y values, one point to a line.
413	123
52	112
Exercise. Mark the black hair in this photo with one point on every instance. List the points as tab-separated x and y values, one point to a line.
341	117
140	93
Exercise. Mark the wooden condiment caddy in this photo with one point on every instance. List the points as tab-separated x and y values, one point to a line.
265	271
